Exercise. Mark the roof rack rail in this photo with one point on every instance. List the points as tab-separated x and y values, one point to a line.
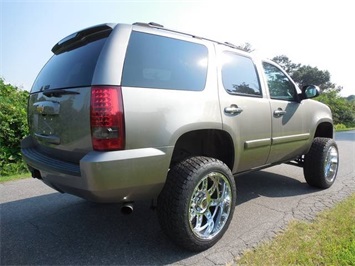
231	45
159	26
150	24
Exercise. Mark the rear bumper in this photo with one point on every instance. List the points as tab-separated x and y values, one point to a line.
116	176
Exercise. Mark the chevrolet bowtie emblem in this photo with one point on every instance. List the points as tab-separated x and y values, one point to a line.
40	109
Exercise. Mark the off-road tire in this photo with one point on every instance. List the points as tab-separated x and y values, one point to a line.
321	163
182	201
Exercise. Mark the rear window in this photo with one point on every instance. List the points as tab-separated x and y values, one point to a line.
74	68
239	75
164	63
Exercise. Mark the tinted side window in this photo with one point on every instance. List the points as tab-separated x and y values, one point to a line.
280	87
159	62
74	68
239	75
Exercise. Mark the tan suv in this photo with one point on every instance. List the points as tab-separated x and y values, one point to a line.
122	113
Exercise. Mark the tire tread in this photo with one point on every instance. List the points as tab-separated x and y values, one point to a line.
174	198
313	163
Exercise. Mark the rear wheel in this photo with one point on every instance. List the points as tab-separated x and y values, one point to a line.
321	163
197	203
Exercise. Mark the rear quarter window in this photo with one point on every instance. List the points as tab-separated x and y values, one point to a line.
154	61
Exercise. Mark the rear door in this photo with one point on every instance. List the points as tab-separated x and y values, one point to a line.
59	104
245	110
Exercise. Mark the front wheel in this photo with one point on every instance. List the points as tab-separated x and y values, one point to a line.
197	202
321	163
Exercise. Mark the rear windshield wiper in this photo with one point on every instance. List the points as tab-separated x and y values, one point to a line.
58	93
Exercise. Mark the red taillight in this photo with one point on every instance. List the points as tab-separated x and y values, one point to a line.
107	119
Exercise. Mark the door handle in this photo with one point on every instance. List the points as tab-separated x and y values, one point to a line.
279	112
233	110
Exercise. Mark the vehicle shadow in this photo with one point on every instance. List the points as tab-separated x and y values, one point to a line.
268	184
60	229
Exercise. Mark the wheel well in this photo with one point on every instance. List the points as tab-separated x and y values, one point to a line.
324	130
212	143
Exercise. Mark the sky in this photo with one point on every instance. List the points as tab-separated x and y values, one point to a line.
310	32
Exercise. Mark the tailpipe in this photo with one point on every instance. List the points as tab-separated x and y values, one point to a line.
127	208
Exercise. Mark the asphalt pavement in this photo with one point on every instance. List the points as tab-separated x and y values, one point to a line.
40	226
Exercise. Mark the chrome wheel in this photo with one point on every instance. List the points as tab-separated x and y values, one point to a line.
210	205
331	164
321	163
197	202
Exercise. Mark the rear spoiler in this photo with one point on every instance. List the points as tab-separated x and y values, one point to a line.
83	37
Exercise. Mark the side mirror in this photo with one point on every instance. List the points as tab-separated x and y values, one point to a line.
310	91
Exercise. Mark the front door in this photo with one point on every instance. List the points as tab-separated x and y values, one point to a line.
289	126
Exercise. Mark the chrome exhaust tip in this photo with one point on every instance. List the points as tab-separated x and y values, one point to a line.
127	208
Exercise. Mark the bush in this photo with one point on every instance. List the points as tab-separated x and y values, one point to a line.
13	128
343	110
340	127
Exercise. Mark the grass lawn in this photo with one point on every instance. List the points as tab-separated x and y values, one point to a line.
14	177
328	240
346	129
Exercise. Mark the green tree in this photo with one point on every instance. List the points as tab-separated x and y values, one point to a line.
351	98
343	110
13	128
307	75
245	47
286	64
